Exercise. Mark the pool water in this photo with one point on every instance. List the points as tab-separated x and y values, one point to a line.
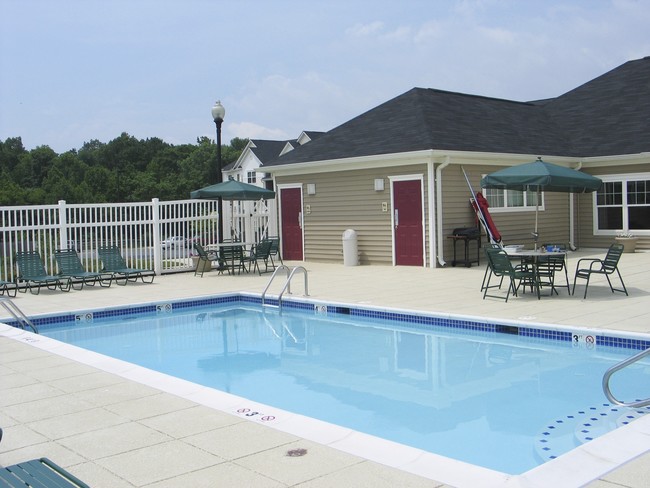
501	401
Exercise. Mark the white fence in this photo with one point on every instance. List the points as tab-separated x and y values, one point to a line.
154	235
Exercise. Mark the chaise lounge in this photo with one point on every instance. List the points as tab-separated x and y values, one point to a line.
38	473
33	273
114	263
70	266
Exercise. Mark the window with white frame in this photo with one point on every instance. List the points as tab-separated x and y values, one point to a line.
623	203
252	177
512	199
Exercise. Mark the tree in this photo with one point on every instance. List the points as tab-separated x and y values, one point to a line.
123	170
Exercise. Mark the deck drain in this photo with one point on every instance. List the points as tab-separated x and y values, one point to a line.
296	452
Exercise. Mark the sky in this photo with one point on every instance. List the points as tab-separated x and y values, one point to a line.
73	71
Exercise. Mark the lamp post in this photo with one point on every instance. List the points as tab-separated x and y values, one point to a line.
218	113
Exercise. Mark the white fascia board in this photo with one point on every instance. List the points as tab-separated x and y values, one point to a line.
607	161
346	164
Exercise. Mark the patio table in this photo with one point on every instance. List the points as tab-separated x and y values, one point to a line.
244	246
532	257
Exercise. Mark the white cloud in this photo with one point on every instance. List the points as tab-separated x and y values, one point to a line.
363	30
251	130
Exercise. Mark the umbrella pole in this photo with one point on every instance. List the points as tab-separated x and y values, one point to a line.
536	234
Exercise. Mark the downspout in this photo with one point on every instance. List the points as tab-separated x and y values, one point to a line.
441	259
572	218
431	189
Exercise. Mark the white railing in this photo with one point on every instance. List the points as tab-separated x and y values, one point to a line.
142	230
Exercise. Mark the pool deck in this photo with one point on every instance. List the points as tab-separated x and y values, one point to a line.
111	427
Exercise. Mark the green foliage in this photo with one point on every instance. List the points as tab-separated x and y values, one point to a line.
123	170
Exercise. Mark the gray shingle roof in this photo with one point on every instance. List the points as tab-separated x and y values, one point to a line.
609	115
266	150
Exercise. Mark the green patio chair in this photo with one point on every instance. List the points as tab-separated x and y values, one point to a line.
38	473
261	252
501	267
207	257
606	267
33	273
275	250
232	256
488	270
114	263
70	266
548	266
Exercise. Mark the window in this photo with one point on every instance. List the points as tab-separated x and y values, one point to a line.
623	203
252	177
512	199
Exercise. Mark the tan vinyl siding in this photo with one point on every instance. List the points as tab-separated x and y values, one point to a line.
515	226
348	200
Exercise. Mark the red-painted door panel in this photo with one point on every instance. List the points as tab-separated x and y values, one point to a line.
291	216
407	208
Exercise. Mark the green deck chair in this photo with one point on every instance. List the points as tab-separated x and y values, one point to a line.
548	266
38	473
33	273
233	258
70	266
261	252
501	267
207	257
275	250
114	263
606	267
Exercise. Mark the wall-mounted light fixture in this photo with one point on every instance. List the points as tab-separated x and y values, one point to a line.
311	188
379	184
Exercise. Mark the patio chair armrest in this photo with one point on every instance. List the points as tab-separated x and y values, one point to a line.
591	261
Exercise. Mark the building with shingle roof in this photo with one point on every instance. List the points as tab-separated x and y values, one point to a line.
353	176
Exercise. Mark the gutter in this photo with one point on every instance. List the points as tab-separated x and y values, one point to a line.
441	259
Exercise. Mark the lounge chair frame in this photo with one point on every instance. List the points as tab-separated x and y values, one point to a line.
32	271
606	267
114	263
7	287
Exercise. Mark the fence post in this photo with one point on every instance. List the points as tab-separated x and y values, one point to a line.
157	249
63	225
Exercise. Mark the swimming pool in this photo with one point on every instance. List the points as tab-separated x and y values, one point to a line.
495	395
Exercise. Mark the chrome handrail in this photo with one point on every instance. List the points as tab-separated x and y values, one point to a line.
287	284
617	367
17	314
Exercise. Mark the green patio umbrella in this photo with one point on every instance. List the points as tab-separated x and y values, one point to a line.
233	190
541	176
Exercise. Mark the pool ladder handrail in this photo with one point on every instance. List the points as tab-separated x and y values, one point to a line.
287	284
617	367
17	314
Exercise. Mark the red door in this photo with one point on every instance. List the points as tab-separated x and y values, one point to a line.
407	215
291	218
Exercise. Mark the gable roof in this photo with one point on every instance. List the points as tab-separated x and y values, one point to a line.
603	117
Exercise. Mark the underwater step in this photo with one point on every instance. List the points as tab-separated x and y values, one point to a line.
563	434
